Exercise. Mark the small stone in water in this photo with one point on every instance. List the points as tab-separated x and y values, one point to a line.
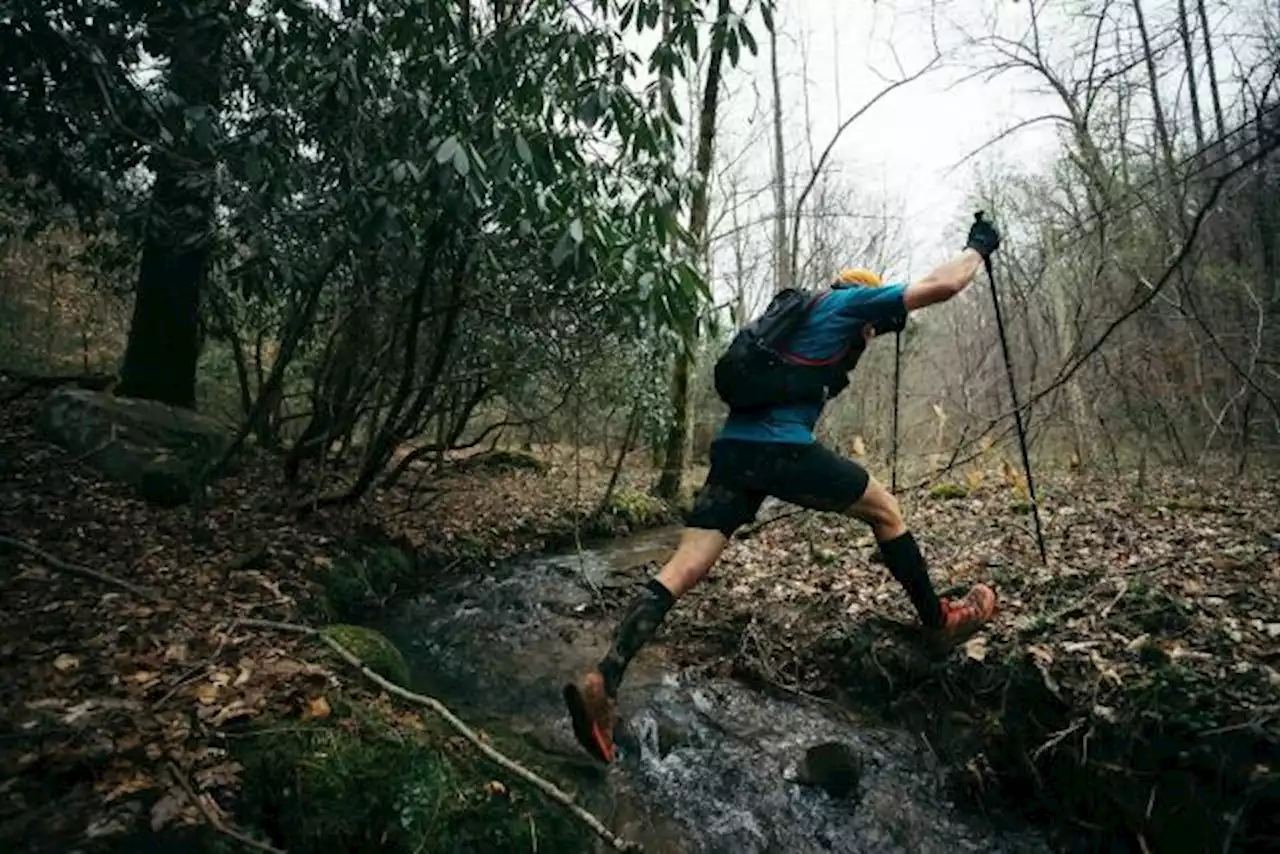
831	766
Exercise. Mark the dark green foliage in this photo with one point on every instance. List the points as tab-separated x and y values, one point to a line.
360	582
503	460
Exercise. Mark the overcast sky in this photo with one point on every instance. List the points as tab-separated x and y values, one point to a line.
904	148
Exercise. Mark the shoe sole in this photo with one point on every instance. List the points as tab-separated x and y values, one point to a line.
585	729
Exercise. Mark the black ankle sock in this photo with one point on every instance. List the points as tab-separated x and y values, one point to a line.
641	620
902	556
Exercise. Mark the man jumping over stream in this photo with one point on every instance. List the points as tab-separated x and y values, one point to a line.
771	451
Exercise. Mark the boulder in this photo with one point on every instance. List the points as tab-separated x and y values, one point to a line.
159	450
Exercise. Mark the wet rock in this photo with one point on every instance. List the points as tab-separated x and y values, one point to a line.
161	451
831	766
672	736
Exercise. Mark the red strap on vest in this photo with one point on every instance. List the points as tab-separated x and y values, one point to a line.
797	359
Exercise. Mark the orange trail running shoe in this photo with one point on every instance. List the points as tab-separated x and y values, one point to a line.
962	618
594	714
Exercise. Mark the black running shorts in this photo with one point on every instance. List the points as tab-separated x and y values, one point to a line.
743	473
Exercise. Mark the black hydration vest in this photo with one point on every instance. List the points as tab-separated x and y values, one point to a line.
757	371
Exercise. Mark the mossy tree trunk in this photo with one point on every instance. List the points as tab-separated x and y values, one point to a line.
677	436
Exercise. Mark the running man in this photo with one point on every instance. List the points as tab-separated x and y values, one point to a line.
774	452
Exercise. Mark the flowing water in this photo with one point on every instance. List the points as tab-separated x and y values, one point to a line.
706	764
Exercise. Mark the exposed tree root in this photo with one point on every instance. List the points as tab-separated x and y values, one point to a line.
76	569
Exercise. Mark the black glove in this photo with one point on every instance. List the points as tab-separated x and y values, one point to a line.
897	323
983	236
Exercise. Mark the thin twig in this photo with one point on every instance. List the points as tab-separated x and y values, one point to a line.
76	569
217	823
1057	738
548	788
195	671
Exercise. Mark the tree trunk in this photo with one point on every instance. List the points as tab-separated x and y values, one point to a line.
1153	80
782	260
1193	95
163	346
1219	122
677	436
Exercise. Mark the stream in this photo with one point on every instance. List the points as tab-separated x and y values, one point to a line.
706	764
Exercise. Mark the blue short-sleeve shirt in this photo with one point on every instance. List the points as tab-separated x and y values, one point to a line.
833	324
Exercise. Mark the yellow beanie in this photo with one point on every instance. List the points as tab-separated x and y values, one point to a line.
858	276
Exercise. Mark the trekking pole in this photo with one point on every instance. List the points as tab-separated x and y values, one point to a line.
1017	410
893	442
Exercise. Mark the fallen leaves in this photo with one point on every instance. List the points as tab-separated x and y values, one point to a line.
975	649
317	709
98	684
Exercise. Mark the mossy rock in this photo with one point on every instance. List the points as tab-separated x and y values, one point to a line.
163	452
947	491
505	461
371	647
350	783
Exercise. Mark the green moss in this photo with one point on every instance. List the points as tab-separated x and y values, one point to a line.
636	509
373	649
1020	508
362	581
947	491
353	784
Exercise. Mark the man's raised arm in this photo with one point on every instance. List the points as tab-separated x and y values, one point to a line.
952	277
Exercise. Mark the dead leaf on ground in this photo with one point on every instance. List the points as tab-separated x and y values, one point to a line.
317	708
168	808
137	782
976	648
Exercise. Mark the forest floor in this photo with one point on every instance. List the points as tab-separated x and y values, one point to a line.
1133	683
120	700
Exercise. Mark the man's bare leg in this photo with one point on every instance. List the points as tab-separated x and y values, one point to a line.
948	621
592	701
698	551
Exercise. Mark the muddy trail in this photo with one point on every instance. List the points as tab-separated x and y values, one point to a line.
706	763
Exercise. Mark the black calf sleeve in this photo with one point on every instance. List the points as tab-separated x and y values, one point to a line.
902	556
641	620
